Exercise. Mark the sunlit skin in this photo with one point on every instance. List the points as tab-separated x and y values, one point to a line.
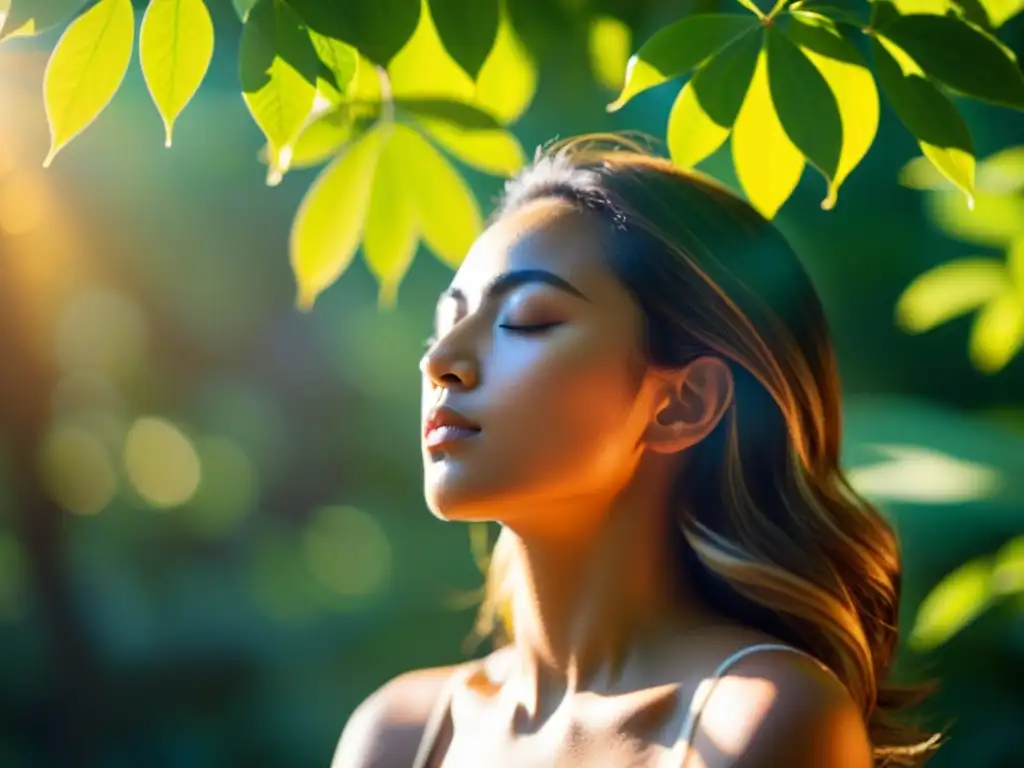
578	439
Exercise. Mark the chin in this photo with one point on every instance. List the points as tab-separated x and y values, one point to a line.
456	498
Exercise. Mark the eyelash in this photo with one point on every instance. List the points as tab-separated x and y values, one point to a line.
523	329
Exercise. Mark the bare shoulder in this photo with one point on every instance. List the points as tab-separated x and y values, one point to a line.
780	708
386	728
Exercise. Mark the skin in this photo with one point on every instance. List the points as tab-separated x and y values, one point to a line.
579	441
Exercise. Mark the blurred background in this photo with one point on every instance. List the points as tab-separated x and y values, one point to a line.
213	543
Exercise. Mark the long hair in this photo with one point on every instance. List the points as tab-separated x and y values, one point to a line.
773	535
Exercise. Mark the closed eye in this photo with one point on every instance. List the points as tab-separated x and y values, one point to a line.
528	329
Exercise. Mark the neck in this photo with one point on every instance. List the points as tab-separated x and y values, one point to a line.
587	597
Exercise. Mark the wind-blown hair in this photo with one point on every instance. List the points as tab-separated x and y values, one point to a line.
772	535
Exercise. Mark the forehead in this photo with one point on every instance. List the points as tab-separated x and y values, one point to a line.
549	234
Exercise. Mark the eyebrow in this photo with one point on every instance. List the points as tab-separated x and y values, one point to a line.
506	281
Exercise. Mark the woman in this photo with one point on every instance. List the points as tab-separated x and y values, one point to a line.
632	373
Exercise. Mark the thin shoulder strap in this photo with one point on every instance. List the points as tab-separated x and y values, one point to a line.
440	713
681	749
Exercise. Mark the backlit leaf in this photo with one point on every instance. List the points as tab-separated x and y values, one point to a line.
495	151
767	162
960	56
998	332
377	29
804	103
1002	171
952	604
851	83
175	49
392	227
608	45
448	212
320	140
927	113
948	291
676	49
995	220
1008	568
1001	11
468	29
25	18
424	68
86	69
329	223
508	79
706	108
1015	263
339	58
278	67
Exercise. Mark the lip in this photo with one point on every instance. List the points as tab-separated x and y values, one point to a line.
445	425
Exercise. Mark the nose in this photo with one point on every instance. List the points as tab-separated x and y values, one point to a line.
446	366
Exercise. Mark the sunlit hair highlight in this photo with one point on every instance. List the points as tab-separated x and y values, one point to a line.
773	535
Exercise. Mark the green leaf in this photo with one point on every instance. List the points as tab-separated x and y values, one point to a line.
278	67
423	68
608	45
468	29
927	113
25	18
949	291
952	604
1001	11
752	7
448	212
707	106
998	332
329	223
392	223
86	69
676	49
1002	171
960	56
851	83
508	79
377	29
1015	263
995	220
321	139
495	151
175	49
243	7
1008	568
768	165
804	103
339	58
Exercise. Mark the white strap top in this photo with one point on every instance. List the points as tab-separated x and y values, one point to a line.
681	748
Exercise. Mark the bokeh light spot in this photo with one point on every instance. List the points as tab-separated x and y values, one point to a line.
77	470
347	550
24	202
228	490
103	331
161	462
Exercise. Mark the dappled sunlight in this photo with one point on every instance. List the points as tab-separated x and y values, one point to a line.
78	469
919	474
161	462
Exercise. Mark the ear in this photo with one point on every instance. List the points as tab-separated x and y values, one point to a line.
693	400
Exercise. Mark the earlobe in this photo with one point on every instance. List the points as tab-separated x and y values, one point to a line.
693	401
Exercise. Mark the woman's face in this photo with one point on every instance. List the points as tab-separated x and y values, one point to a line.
537	347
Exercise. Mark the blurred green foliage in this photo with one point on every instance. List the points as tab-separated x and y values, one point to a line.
212	538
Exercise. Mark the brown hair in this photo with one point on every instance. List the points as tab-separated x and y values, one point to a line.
773	536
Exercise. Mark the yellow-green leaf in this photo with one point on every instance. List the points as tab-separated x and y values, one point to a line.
392	223
1015	263
852	84
952	604
768	165
1001	11
676	49
948	291
468	28
26	18
448	213
339	58
278	67
424	68
175	49
998	332
707	106
996	220
321	139
329	223
750	6
1002	171
608	46
927	113
86	69
804	103
495	151
508	79
1008	568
